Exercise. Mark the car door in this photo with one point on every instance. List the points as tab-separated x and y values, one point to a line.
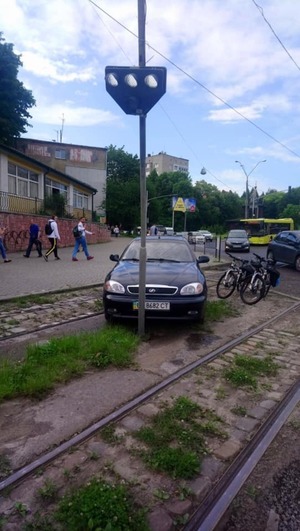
283	248
291	247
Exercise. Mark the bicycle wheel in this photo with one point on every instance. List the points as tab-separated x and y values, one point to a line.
252	291
226	285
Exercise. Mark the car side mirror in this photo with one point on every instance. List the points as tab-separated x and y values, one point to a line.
202	259
114	257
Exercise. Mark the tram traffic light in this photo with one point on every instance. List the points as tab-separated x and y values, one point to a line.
136	89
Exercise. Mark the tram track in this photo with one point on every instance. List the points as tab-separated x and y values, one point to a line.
200	516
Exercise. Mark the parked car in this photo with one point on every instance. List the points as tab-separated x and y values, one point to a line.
175	285
208	235
285	247
237	240
196	237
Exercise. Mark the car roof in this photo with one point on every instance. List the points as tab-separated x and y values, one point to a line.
295	232
238	230
164	238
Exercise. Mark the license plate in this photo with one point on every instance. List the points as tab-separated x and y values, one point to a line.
153	305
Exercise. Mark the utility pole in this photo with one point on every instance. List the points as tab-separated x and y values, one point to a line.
247	185
62	128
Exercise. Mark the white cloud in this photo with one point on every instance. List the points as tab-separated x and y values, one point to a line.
75	116
222	49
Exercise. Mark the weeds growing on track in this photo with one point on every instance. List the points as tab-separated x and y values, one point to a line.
245	370
176	438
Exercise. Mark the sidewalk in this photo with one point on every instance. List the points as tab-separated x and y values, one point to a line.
26	276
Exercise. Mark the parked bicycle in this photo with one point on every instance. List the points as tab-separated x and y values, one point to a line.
239	270
257	286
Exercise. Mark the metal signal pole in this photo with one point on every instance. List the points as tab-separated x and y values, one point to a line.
136	90
143	192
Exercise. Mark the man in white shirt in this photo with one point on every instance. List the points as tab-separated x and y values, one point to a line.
81	240
53	239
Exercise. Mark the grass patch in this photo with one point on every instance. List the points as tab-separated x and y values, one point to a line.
245	370
62	359
48	491
176	438
109	435
29	300
240	411
217	310
100	505
5	467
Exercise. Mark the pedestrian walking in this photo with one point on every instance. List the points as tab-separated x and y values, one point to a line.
153	230
2	248
53	239
81	240
116	231
34	239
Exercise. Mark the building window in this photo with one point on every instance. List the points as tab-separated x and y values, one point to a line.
60	154
183	169
80	200
22	181
54	187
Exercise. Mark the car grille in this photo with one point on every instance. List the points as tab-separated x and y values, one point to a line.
154	290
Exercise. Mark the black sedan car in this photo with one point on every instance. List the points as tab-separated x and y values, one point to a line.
175	285
285	247
237	240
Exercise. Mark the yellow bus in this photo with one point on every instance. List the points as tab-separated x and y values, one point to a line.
262	230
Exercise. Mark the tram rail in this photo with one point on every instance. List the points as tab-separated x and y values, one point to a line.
211	509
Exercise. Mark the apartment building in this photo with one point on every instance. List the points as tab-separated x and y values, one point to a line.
165	163
83	163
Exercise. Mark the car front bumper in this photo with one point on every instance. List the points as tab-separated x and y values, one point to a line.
184	308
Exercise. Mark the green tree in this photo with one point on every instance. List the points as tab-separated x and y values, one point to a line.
15	98
161	188
122	203
273	203
292	211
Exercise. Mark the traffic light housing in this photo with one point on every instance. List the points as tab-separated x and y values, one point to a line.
136	89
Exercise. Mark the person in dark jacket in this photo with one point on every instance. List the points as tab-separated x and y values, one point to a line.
34	235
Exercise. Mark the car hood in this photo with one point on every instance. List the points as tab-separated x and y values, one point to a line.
168	273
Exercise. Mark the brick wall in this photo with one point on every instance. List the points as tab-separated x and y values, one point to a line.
17	235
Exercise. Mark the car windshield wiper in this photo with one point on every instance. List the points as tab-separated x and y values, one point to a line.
130	260
162	260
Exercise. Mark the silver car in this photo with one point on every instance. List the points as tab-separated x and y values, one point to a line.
237	240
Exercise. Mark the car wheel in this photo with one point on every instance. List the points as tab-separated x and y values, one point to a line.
270	256
297	263
108	317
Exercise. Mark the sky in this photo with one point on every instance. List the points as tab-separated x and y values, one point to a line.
233	81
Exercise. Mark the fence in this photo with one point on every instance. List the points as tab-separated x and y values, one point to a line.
12	203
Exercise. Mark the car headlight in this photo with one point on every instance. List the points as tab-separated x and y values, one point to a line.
114	287
195	288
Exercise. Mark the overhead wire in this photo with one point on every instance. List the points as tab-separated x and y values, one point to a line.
197	82
260	9
162	108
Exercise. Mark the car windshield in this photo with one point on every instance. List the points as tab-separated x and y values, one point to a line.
237	234
169	250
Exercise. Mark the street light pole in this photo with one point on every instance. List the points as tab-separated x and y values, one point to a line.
247	184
